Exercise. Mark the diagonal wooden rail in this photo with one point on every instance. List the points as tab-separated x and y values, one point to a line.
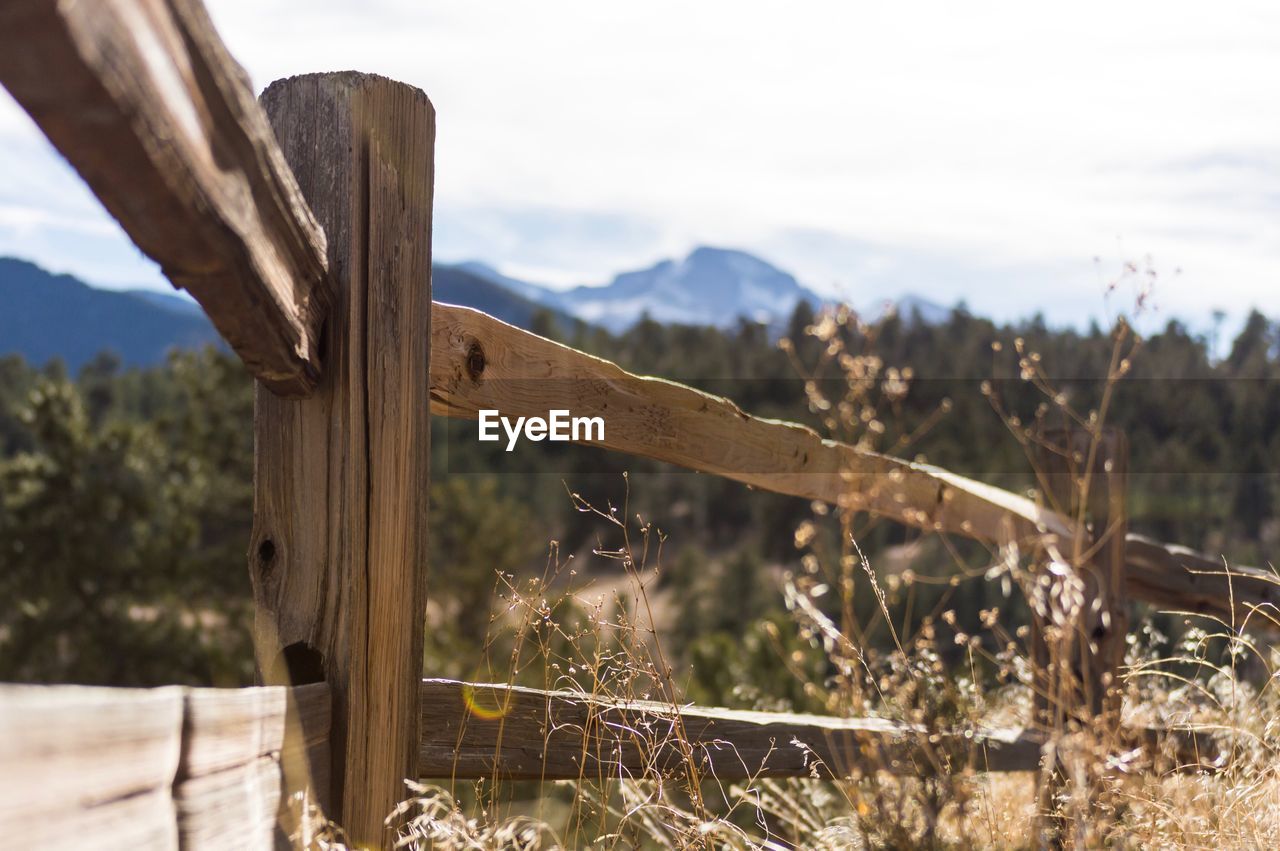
478	362
144	100
481	362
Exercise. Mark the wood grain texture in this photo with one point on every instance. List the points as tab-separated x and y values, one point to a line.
155	768
224	728
478	362
481	730
338	549
244	752
236	808
1086	478
74	758
145	820
143	99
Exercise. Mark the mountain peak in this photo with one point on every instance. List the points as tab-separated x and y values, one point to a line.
705	254
710	286
48	315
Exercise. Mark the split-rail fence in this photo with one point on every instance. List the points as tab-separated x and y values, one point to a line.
301	222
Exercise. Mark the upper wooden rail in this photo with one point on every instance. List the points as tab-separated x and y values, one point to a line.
478	362
157	768
143	99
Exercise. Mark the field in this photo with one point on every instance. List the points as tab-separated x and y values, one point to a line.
821	581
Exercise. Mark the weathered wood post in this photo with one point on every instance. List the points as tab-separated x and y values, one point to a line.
338	551
1095	495
1077	663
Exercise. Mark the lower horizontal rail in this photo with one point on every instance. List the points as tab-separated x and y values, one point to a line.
475	730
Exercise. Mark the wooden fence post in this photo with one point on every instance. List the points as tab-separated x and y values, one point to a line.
1077	672
338	552
1098	556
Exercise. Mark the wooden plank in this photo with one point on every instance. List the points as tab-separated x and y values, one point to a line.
1178	578
304	759
338	547
146	103
225	728
154	767
144	820
78	761
484	730
226	795
1080	618
1087	479
478	362
236	808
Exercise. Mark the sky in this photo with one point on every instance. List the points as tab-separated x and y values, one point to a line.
1012	155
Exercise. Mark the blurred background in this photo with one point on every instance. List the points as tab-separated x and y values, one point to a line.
680	189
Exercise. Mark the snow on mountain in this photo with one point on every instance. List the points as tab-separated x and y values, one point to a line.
711	286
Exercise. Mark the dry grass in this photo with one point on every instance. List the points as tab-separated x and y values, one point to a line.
1108	791
1232	801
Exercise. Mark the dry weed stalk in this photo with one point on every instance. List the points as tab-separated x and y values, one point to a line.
1119	794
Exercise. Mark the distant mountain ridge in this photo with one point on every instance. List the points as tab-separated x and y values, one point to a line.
178	301
458	285
45	315
711	286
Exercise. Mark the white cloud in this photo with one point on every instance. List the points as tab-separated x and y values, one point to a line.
999	146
